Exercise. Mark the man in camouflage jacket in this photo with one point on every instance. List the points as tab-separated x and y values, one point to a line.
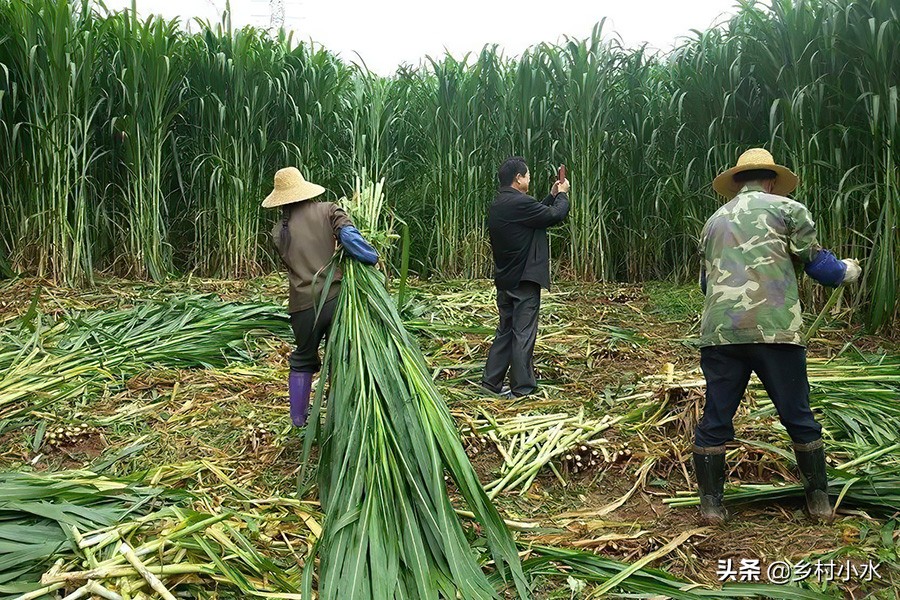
753	250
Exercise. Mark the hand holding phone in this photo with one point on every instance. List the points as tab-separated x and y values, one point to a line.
562	184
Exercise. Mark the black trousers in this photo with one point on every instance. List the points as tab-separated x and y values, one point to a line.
513	347
308	334
782	370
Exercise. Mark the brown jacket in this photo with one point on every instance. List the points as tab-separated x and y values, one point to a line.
314	230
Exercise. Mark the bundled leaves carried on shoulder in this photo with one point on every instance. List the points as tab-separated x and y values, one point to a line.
387	441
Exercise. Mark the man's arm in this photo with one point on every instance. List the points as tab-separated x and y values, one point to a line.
702	255
538	216
819	263
702	273
554	191
339	218
350	238
826	269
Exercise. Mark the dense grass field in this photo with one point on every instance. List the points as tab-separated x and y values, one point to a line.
143	335
132	147
115	411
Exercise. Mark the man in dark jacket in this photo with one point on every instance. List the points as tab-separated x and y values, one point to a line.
518	227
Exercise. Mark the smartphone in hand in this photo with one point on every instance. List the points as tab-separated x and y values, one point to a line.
561	176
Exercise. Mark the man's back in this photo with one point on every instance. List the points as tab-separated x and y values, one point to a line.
517	225
752	249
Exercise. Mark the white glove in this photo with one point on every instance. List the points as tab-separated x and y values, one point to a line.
853	270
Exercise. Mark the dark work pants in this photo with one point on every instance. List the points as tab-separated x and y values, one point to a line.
782	370
513	347
308	334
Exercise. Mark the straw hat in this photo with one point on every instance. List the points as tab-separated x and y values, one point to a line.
756	158
291	187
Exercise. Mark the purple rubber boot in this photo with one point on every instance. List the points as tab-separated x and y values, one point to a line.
299	388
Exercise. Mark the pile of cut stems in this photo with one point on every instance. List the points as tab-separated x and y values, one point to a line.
528	443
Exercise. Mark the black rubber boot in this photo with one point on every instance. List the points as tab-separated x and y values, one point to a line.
811	462
709	465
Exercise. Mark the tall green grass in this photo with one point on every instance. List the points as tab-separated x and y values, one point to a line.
48	53
146	83
135	147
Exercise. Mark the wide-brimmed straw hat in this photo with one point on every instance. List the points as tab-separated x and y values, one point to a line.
290	187
756	158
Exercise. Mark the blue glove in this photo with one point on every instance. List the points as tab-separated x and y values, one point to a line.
826	269
357	246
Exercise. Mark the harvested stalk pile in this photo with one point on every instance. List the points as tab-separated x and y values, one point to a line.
527	443
118	538
388	439
877	493
857	402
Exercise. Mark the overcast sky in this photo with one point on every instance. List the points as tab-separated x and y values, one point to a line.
386	33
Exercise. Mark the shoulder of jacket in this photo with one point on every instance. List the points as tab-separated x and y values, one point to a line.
791	210
792	205
776	200
523	197
328	208
725	210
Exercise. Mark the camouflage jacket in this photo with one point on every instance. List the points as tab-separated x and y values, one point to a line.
753	250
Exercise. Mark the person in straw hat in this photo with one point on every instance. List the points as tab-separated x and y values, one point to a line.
306	239
752	251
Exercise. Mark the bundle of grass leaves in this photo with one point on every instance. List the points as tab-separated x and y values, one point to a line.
386	444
